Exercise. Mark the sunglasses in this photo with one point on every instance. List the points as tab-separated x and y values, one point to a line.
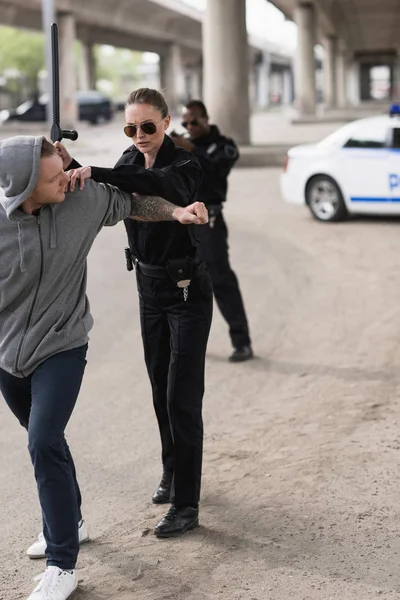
149	128
193	123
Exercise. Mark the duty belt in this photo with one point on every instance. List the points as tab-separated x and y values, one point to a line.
157	271
179	270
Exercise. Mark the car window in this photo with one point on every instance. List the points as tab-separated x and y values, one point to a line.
371	135
338	137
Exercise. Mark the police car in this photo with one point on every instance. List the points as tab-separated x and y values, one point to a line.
356	169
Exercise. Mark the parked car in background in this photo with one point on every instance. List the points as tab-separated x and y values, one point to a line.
93	107
356	169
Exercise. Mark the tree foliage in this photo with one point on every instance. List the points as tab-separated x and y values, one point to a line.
24	51
117	65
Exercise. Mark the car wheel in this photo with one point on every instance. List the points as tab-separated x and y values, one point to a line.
325	200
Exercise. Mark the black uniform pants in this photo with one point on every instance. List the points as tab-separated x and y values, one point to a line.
213	250
175	335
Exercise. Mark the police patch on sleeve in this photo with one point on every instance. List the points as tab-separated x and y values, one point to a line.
230	151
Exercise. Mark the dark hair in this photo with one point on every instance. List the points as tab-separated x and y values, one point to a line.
149	96
47	149
197	104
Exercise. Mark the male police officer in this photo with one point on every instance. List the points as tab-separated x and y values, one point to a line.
217	155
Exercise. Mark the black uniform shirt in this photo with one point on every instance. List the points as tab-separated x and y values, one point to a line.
175	176
217	154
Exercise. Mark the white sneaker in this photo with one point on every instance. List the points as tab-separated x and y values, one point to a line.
38	548
55	584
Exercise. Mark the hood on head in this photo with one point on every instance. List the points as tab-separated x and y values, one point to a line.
19	169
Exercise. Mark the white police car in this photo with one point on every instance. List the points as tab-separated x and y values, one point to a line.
356	169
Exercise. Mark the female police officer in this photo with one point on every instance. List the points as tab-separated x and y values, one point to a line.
175	297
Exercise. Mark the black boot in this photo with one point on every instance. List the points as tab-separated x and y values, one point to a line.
177	521
163	492
241	354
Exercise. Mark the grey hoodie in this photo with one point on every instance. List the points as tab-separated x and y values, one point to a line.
43	272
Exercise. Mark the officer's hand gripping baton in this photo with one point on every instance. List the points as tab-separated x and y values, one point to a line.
56	133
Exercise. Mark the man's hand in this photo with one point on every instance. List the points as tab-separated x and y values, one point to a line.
182	142
82	173
194	214
64	154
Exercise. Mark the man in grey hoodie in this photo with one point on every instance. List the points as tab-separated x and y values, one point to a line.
45	237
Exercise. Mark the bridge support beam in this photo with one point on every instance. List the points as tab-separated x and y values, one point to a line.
263	70
365	82
353	78
195	83
67	36
287	95
226	77
305	61
87	73
172	77
341	78
330	96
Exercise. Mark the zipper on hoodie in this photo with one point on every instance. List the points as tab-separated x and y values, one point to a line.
28	322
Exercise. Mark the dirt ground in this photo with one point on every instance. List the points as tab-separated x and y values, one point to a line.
300	490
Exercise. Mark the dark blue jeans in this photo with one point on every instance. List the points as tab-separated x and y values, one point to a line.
43	404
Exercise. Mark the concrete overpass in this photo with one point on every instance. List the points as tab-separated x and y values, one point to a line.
356	35
238	72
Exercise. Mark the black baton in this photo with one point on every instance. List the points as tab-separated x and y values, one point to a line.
56	133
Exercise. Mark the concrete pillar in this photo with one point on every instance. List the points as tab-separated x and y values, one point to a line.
254	76
392	82
365	82
253	85
68	104
330	95
287	95
353	83
226	76
396	82
263	72
305	61
341	87
196	83
87	71
172	77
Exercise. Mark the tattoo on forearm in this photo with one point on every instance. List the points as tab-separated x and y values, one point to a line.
151	208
